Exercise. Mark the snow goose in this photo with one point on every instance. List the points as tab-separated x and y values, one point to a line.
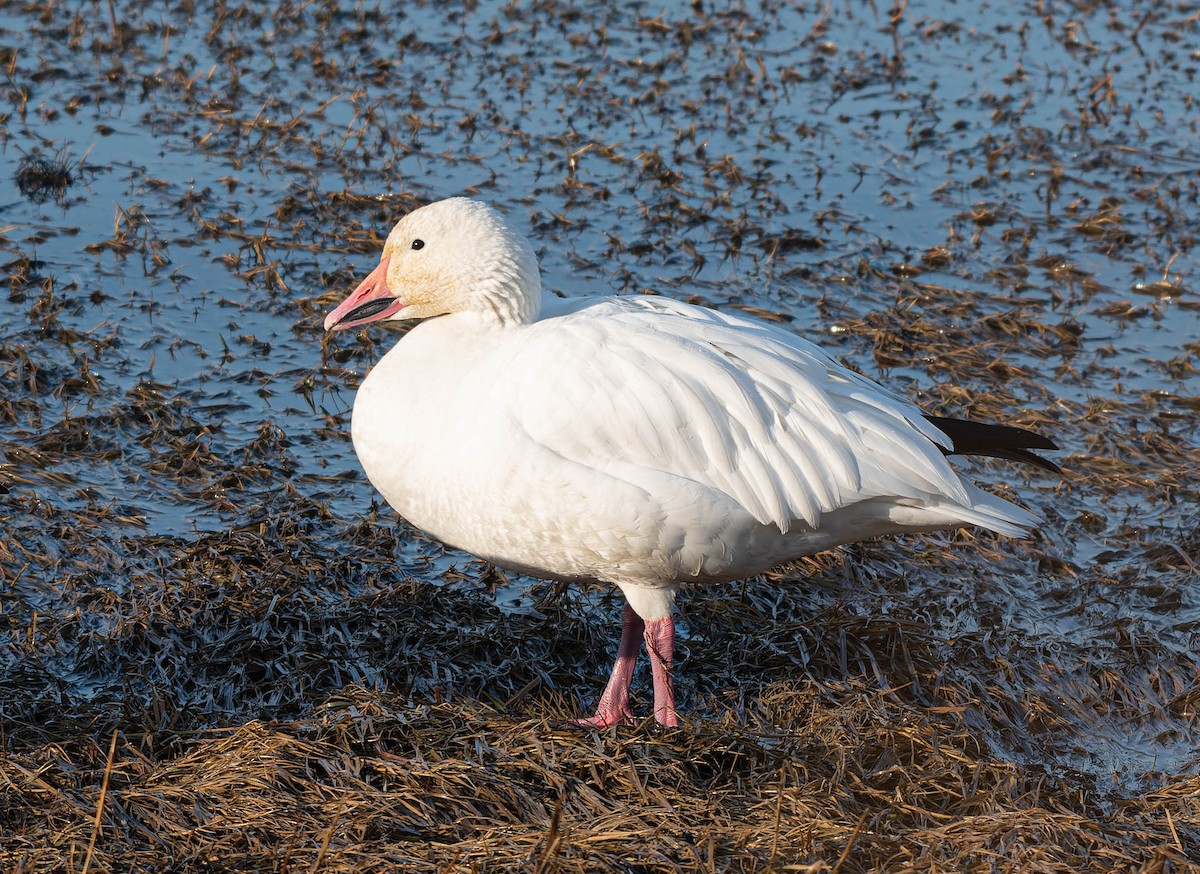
637	441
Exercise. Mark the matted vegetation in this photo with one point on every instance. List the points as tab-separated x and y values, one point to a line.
219	651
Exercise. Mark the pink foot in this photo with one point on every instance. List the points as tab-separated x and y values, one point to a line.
660	642
613	708
604	719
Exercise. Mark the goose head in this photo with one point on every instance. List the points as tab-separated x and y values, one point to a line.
455	255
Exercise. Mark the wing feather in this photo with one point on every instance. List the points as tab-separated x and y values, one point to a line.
743	407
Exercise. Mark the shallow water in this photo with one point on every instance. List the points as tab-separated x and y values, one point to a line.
1020	185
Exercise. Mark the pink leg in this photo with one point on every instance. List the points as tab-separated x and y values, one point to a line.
614	702
660	642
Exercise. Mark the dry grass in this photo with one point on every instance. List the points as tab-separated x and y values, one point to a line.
812	782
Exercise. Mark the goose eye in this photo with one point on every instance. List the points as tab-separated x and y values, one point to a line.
418	244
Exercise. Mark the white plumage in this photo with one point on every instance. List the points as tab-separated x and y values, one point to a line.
638	441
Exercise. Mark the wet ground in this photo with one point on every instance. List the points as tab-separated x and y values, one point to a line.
213	634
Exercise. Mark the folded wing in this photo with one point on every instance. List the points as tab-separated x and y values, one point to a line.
743	407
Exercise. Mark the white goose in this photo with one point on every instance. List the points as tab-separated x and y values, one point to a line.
637	441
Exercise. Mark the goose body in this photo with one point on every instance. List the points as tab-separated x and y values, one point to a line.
637	441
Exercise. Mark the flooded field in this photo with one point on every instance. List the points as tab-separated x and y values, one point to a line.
220	650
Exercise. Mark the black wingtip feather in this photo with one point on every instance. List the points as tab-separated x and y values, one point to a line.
995	441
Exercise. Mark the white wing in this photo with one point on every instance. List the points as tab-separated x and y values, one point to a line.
740	406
